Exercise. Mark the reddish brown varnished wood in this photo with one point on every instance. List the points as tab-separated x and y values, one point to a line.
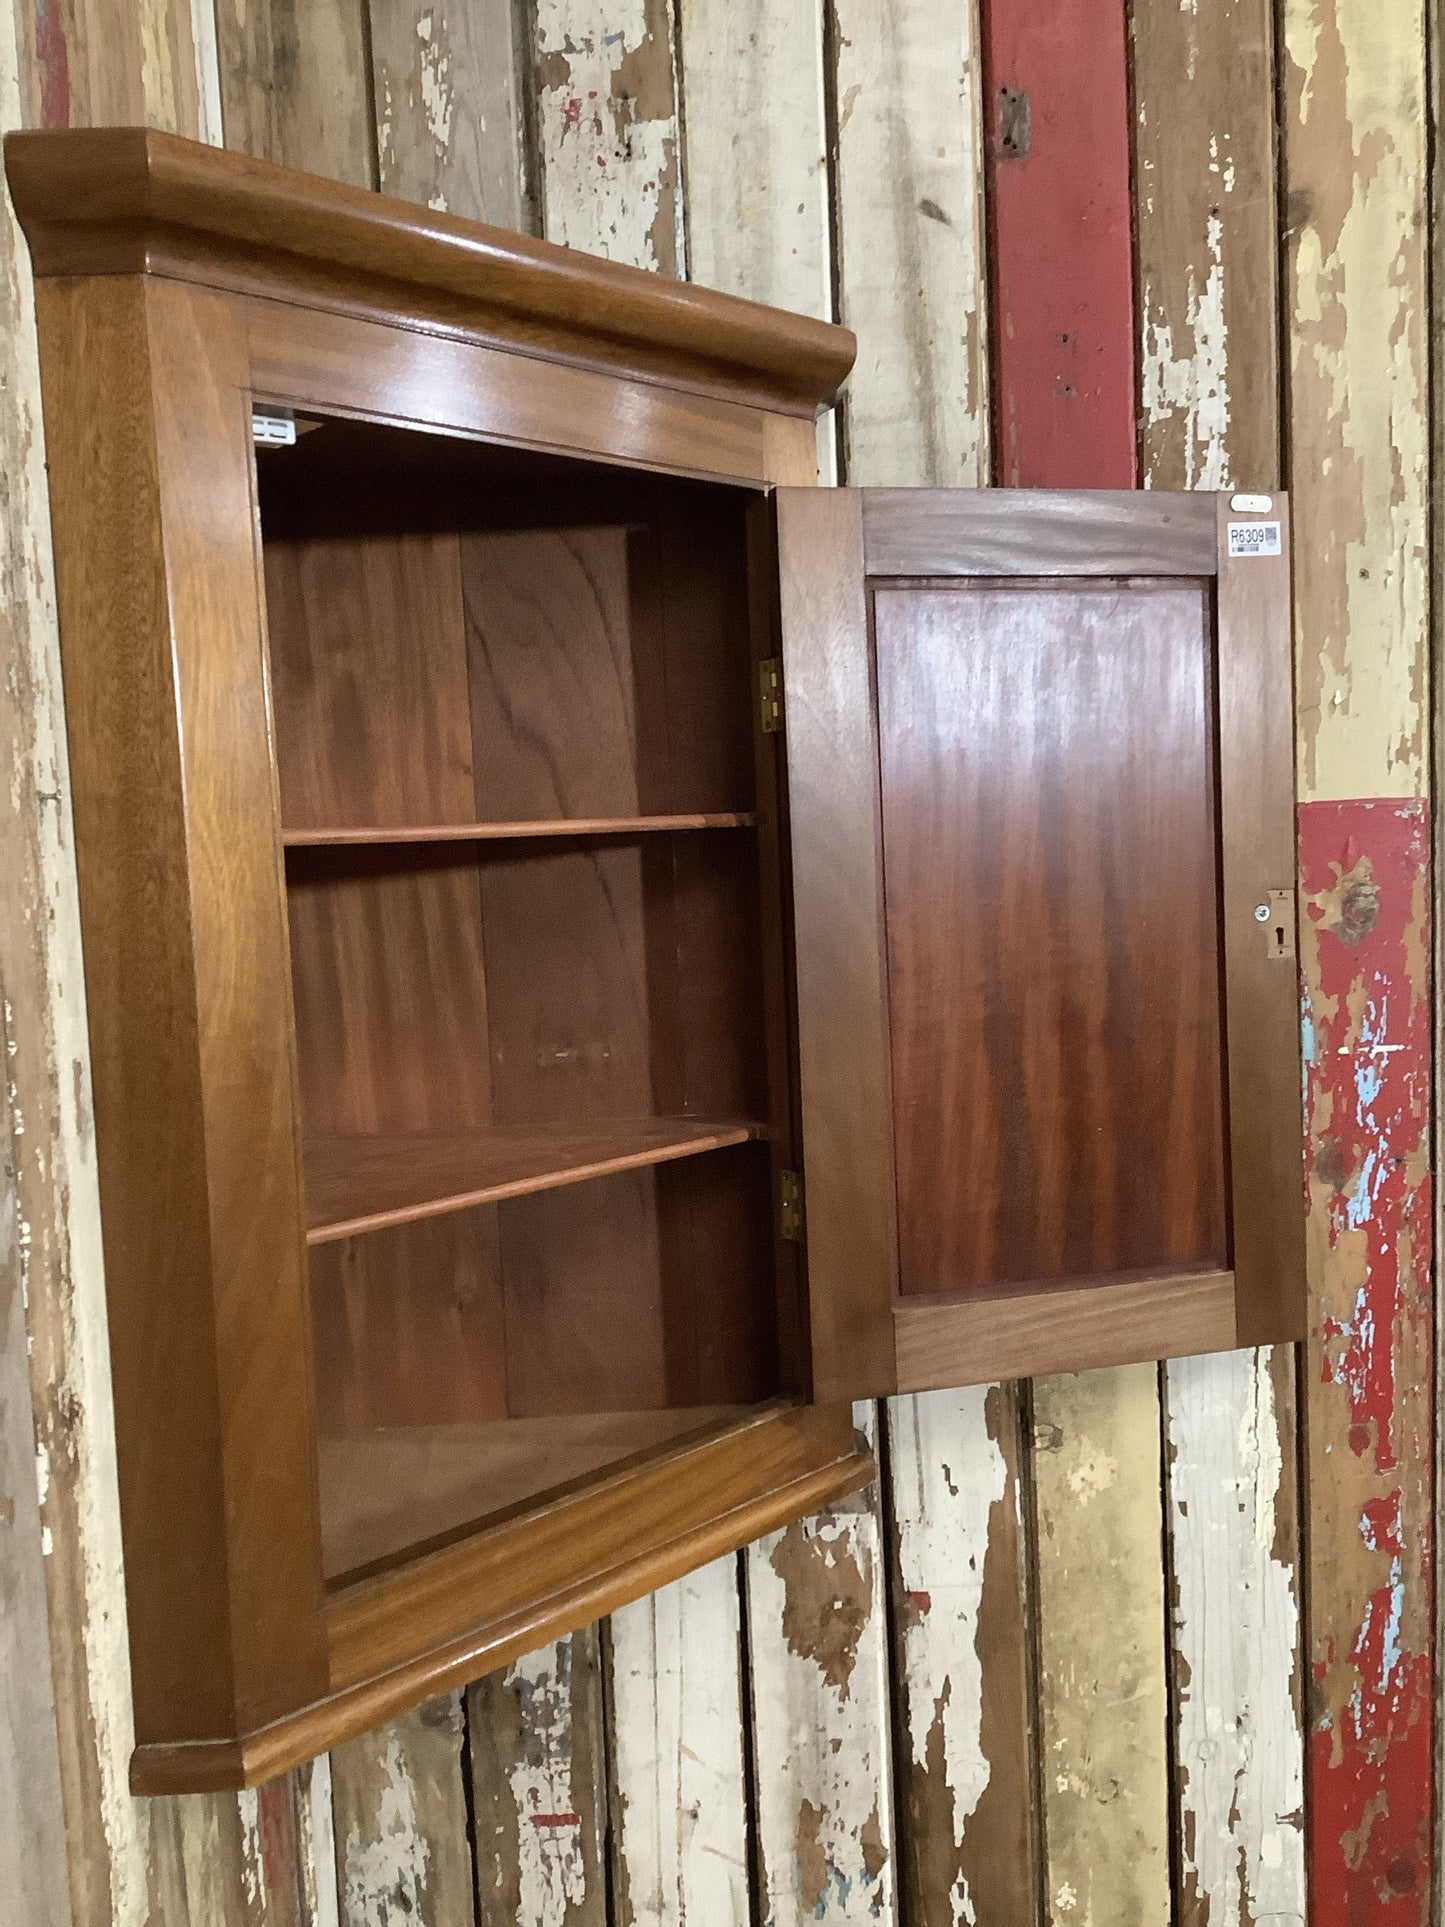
129	200
1049	834
356	1184
1039	779
469	951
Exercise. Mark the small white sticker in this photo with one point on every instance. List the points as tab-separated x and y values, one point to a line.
1251	504
1254	538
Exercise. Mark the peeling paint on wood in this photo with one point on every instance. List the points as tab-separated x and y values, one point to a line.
1061	254
537	1777
756	158
819	1717
1206	237
910	226
1355	174
1233	1540
1365	949
679	1819
445	82
400	1816
607	130
33	1886
1103	1705
962	1667
294	84
1207	241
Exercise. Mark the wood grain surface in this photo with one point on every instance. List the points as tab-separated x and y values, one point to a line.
360	1184
1049	877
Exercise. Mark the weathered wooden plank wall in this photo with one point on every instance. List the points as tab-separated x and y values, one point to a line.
1052	1669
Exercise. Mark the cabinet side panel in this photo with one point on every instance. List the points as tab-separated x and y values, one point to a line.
242	997
131	859
832	747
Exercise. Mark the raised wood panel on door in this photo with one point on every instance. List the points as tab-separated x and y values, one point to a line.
1053	977
1025	885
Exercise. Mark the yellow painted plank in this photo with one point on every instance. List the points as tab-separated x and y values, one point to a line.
1103	1703
1355	176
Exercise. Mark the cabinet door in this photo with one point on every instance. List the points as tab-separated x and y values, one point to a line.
1041	792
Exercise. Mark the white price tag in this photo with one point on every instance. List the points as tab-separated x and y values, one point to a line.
1254	538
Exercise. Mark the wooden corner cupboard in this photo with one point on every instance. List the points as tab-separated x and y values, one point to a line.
599	953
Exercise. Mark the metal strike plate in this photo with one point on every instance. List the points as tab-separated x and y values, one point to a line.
1277	915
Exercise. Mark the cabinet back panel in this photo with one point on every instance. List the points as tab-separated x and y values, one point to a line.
624	980
369	680
643	1291
554	676
408	1325
1050	882
390	996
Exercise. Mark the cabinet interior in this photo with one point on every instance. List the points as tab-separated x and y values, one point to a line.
513	700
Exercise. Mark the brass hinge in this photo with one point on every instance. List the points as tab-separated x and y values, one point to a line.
790	1204
770	694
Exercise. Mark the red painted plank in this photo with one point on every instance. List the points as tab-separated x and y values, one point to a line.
1060	248
1365	947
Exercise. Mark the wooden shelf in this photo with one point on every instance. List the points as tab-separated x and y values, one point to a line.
356	1184
311	839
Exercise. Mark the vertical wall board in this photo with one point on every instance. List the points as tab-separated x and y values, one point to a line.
756	158
679	1820
1103	1706
1207	240
294	84
819	1720
399	1809
1355	177
1365	944
537	1761
445	83
33	1886
961	1666
608	146
910	240
1233	1541
317	1854
129	1861
1061	268
1057	137
1206	237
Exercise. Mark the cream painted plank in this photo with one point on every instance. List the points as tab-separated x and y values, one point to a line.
609	176
910	241
130	1861
293	84
608	148
400	1816
1103	1704
962	1666
756	159
1236	1636
1209	361
537	1788
1355	177
33	1885
679	1826
818	1694
445	81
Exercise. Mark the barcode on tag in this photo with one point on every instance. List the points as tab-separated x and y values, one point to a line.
1254	538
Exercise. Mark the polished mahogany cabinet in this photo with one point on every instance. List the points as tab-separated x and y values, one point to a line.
598	952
